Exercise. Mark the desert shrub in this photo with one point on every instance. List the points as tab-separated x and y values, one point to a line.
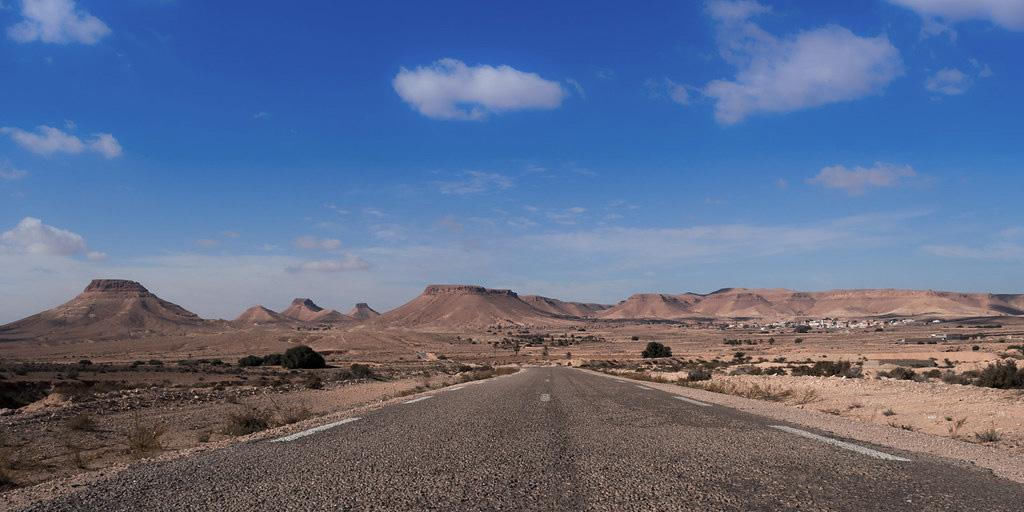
798	340
272	360
156	362
247	421
829	369
82	422
975	348
302	357
933	374
313	381
950	377
698	374
293	414
143	438
362	371
84	362
801	329
888	412
250	361
899	373
988	436
635	338
777	370
655	349
1001	375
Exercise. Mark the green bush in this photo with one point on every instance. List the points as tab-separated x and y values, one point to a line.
272	360
698	374
655	349
302	357
1001	375
829	369
899	373
247	421
362	371
250	361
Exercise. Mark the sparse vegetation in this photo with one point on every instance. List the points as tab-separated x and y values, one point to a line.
888	412
250	361
247	421
361	371
898	373
698	374
991	435
655	350
829	369
955	426
902	426
82	422
142	437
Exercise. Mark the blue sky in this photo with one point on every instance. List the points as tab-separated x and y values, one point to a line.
233	153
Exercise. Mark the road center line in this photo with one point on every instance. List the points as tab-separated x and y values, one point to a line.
312	431
644	387
841	444
545	397
420	399
691	401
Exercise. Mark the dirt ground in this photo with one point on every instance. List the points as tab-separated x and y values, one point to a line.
64	417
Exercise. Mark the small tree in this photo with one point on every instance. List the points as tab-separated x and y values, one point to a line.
302	357
655	349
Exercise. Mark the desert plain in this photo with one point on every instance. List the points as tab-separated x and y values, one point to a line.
118	377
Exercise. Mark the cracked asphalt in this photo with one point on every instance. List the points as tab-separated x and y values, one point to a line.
594	443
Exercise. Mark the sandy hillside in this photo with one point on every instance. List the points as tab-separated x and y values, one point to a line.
465	306
563	308
108	308
260	315
780	304
305	310
363	311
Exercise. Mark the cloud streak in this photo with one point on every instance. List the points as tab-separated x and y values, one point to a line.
858	180
47	140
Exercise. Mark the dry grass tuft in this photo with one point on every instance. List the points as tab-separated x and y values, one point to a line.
83	422
143	438
248	421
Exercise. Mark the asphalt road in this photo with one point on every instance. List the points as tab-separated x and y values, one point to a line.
552	439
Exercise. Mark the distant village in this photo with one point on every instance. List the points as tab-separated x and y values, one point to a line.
824	323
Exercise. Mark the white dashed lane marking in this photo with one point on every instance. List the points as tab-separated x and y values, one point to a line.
691	401
545	397
312	431
841	444
644	387
420	399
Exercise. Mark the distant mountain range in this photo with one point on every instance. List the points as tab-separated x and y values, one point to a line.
111	308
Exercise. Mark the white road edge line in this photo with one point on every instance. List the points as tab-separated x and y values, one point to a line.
420	399
644	387
314	430
456	388
692	401
841	444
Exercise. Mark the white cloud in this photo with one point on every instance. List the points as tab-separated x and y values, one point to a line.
47	140
857	180
810	69
1006	245
31	236
476	182
950	81
449	89
347	263
106	145
56	21
96	256
312	242
207	243
1008	14
678	93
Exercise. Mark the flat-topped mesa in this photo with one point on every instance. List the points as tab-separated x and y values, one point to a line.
465	289
121	286
307	303
363	311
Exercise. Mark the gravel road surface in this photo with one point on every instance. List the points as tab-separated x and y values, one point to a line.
550	439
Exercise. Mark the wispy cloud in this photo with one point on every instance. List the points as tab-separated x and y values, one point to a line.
47	140
1008	14
857	180
476	182
346	263
312	242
